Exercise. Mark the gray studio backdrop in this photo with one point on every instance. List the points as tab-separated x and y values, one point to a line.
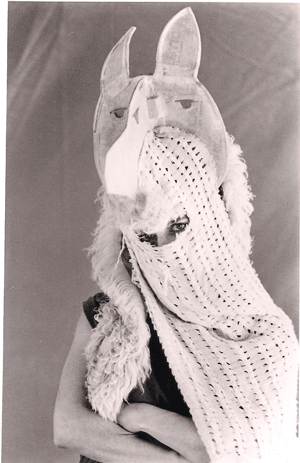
55	53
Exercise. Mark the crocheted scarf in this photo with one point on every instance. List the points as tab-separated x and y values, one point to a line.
231	350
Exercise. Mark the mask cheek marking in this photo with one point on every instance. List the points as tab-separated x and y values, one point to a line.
136	115
156	110
152	108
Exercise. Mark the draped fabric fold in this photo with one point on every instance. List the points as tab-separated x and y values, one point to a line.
232	351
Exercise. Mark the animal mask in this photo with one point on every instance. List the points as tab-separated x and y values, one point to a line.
129	108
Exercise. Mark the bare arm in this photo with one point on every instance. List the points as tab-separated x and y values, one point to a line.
82	430
175	431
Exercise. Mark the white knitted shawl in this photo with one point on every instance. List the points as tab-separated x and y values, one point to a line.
232	351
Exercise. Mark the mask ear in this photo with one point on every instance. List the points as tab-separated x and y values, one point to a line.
179	47
115	71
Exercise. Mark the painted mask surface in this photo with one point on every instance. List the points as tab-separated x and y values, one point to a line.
131	107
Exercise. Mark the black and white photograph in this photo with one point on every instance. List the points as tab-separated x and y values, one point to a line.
151	306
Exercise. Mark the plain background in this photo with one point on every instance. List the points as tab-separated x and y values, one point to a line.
250	66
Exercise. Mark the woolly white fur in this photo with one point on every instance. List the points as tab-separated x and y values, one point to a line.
117	354
237	195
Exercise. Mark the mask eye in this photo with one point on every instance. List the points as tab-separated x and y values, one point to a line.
185	104
119	112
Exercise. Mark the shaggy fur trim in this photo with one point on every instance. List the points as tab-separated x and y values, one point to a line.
117	354
237	195
114	356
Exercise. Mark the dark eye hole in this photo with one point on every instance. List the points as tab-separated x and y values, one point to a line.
178	225
119	112
185	104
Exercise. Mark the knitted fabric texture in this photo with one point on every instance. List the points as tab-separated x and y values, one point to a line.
232	351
